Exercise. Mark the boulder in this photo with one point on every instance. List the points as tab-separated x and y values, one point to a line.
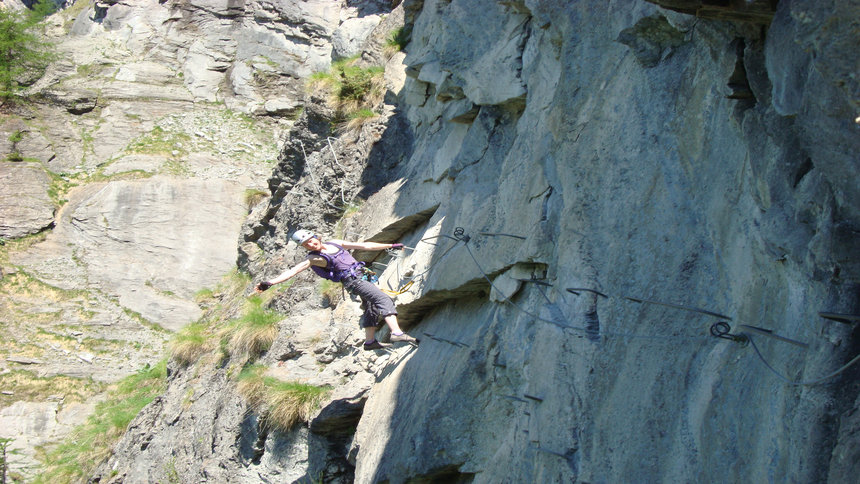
347	39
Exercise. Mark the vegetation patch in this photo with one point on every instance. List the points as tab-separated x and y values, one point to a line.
232	325
73	11
61	185
281	404
90	444
254	332
24	52
88	70
332	292
22	385
397	40
190	343
350	87
23	288
143	321
253	197
356	119
350	211
160	141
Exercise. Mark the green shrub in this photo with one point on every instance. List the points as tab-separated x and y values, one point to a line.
357	83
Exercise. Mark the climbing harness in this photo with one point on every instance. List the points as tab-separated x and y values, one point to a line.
370	276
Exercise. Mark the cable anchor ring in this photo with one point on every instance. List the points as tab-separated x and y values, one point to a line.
721	329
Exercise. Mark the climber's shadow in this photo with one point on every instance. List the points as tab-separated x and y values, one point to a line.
397	356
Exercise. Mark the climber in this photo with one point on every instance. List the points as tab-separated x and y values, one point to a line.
330	260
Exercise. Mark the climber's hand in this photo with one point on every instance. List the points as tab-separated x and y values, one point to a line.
262	286
396	246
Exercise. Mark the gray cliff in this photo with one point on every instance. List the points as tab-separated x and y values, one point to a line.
623	220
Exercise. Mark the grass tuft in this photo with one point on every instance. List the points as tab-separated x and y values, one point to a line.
282	404
397	40
332	292
253	197
251	386
290	403
255	331
191	343
356	119
350	88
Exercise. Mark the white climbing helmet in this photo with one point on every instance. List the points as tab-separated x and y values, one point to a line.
301	236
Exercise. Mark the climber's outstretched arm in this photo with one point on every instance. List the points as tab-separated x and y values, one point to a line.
366	245
285	276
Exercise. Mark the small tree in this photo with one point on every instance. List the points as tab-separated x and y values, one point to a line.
41	9
24	53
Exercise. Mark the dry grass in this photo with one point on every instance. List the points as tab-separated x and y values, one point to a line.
190	343
289	403
26	386
332	292
253	197
254	332
233	325
350	88
252	387
252	340
355	120
282	404
23	289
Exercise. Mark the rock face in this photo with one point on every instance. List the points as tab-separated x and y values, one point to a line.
252	55
124	235
591	197
24	182
31	425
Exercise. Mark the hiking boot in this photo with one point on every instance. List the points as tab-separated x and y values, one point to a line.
405	338
373	345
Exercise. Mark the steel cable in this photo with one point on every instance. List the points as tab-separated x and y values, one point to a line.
798	383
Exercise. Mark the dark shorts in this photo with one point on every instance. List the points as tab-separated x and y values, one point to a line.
376	303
